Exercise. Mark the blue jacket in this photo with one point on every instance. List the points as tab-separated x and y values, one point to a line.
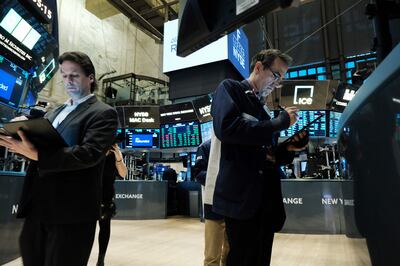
247	183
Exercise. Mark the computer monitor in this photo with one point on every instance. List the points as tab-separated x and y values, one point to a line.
142	138
12	83
206	130
185	134
26	42
204	21
121	144
334	118
318	129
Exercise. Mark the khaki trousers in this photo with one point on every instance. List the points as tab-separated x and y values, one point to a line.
216	243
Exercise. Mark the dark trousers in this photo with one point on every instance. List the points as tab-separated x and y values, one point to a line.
104	235
56	244
250	241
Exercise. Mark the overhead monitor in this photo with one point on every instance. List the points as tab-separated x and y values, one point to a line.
142	138
185	134
234	47
43	10
216	51
179	112
202	107
317	129
206	130
26	42
121	144
344	94
204	21
334	118
13	81
141	116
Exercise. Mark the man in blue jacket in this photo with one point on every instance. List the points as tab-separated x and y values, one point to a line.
247	190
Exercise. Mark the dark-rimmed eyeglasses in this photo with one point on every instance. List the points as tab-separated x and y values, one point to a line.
276	74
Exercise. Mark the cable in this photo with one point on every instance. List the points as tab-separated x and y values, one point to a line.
323	26
261	22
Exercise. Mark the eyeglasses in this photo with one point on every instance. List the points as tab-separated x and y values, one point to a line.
277	75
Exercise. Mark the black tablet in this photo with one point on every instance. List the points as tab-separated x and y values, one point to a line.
304	128
39	131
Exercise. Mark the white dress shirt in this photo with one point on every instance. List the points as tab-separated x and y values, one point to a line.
69	107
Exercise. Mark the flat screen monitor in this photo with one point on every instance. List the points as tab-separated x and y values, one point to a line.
121	144
206	130
334	123
26	42
30	99
13	80
192	159
185	134
142	138
318	129
204	21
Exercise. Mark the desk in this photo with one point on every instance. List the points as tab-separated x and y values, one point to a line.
10	227
138	200
318	206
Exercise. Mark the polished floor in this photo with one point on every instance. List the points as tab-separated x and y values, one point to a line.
178	241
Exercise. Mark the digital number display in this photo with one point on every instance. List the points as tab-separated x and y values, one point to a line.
206	130
43	8
334	124
180	135
318	129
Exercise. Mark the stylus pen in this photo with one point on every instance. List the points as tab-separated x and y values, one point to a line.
281	108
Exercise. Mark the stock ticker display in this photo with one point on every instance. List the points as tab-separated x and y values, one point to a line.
318	129
185	134
334	124
206	130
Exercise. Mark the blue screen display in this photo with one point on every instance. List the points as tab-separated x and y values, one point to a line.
334	124
142	138
318	129
30	99
206	131
7	82
12	82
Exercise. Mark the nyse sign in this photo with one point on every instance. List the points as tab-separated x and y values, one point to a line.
303	95
206	110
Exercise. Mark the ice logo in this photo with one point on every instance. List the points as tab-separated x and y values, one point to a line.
303	95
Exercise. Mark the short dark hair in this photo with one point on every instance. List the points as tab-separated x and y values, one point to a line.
84	61
267	57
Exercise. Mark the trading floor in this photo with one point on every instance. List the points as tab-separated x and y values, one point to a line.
178	241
